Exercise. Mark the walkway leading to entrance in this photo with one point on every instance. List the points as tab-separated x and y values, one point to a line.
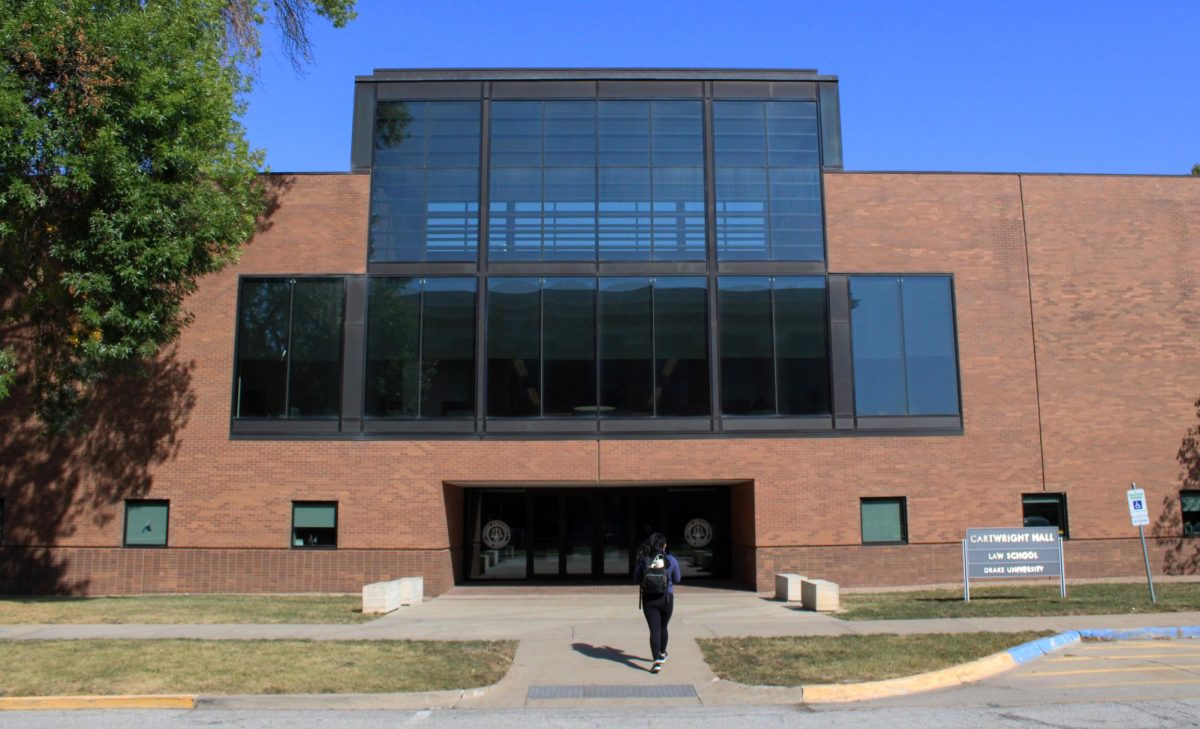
572	639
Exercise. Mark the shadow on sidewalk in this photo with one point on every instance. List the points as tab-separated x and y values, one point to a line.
608	653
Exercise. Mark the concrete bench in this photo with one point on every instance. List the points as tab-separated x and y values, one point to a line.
787	587
384	597
819	595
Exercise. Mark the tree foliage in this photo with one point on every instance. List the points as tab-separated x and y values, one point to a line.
124	176
1196	170
244	18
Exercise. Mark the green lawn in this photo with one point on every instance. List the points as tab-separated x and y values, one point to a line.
1021	600
107	667
795	660
184	609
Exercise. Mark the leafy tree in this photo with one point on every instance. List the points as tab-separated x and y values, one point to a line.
1196	170
125	175
244	18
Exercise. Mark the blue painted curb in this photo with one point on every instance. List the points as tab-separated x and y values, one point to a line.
1037	648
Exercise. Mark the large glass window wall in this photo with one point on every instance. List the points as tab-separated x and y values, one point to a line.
425	181
768	181
588	180
573	346
902	333
774	345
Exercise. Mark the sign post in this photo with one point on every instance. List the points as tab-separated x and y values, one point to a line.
1009	553
1139	515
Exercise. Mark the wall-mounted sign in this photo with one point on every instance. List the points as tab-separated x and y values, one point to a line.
496	534
1012	553
698	533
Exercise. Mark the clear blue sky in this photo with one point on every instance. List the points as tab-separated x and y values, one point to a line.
963	86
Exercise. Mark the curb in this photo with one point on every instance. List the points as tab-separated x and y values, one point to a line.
982	668
66	703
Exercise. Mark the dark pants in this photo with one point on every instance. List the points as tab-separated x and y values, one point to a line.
657	610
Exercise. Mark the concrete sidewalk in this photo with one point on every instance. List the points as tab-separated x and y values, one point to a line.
590	639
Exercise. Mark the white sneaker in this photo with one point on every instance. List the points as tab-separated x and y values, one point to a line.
656	667
664	658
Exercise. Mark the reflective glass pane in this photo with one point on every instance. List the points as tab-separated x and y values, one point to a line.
514	347
393	326
448	348
677	133
882	521
626	347
796	228
260	390
316	357
678	213
624	133
930	360
625	213
569	347
547	521
516	134
802	361
515	223
879	377
739	134
498	546
792	134
570	134
570	214
146	523
681	346
742	213
747	373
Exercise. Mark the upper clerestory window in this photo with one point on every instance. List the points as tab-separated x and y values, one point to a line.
425	181
768	181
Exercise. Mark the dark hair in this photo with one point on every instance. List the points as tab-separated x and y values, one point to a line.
656	543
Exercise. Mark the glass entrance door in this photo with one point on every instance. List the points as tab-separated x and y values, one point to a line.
593	533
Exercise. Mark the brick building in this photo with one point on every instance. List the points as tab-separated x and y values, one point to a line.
547	312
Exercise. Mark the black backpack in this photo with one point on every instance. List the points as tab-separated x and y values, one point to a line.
656	574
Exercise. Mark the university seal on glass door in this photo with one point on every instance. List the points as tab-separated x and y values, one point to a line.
698	533
496	534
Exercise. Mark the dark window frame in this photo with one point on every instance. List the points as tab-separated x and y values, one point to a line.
3	515
1064	525
902	501
1183	513
166	541
336	525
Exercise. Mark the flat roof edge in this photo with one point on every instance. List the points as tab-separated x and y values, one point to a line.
595	74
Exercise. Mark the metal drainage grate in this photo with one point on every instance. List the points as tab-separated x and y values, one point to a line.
666	691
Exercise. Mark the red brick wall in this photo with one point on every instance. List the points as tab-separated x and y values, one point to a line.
1115	387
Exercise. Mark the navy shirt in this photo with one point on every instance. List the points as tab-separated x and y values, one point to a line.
672	570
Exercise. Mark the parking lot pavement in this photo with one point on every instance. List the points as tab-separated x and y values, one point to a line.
1118	671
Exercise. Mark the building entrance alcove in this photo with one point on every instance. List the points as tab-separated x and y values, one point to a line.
589	533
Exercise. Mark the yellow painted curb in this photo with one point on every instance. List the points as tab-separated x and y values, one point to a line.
829	693
64	703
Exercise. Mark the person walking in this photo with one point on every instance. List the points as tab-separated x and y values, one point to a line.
657	573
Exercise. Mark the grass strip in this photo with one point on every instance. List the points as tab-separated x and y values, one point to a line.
189	609
1021	600
107	667
797	660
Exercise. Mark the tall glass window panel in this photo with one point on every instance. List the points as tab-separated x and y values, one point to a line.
884	521
514	347
393	348
747	347
651	196
425	181
768	186
448	348
929	352
902	330
626	347
543	188
801	350
878	345
680	346
263	329
569	347
289	348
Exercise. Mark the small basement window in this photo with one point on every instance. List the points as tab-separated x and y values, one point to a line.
146	523
1042	510
1189	502
314	525
884	521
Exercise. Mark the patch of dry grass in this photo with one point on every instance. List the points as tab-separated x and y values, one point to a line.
72	667
184	609
797	660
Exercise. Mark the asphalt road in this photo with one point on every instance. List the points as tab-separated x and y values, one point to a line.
1150	715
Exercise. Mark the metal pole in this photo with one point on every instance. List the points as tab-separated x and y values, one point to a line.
966	575
1146	556
1062	569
